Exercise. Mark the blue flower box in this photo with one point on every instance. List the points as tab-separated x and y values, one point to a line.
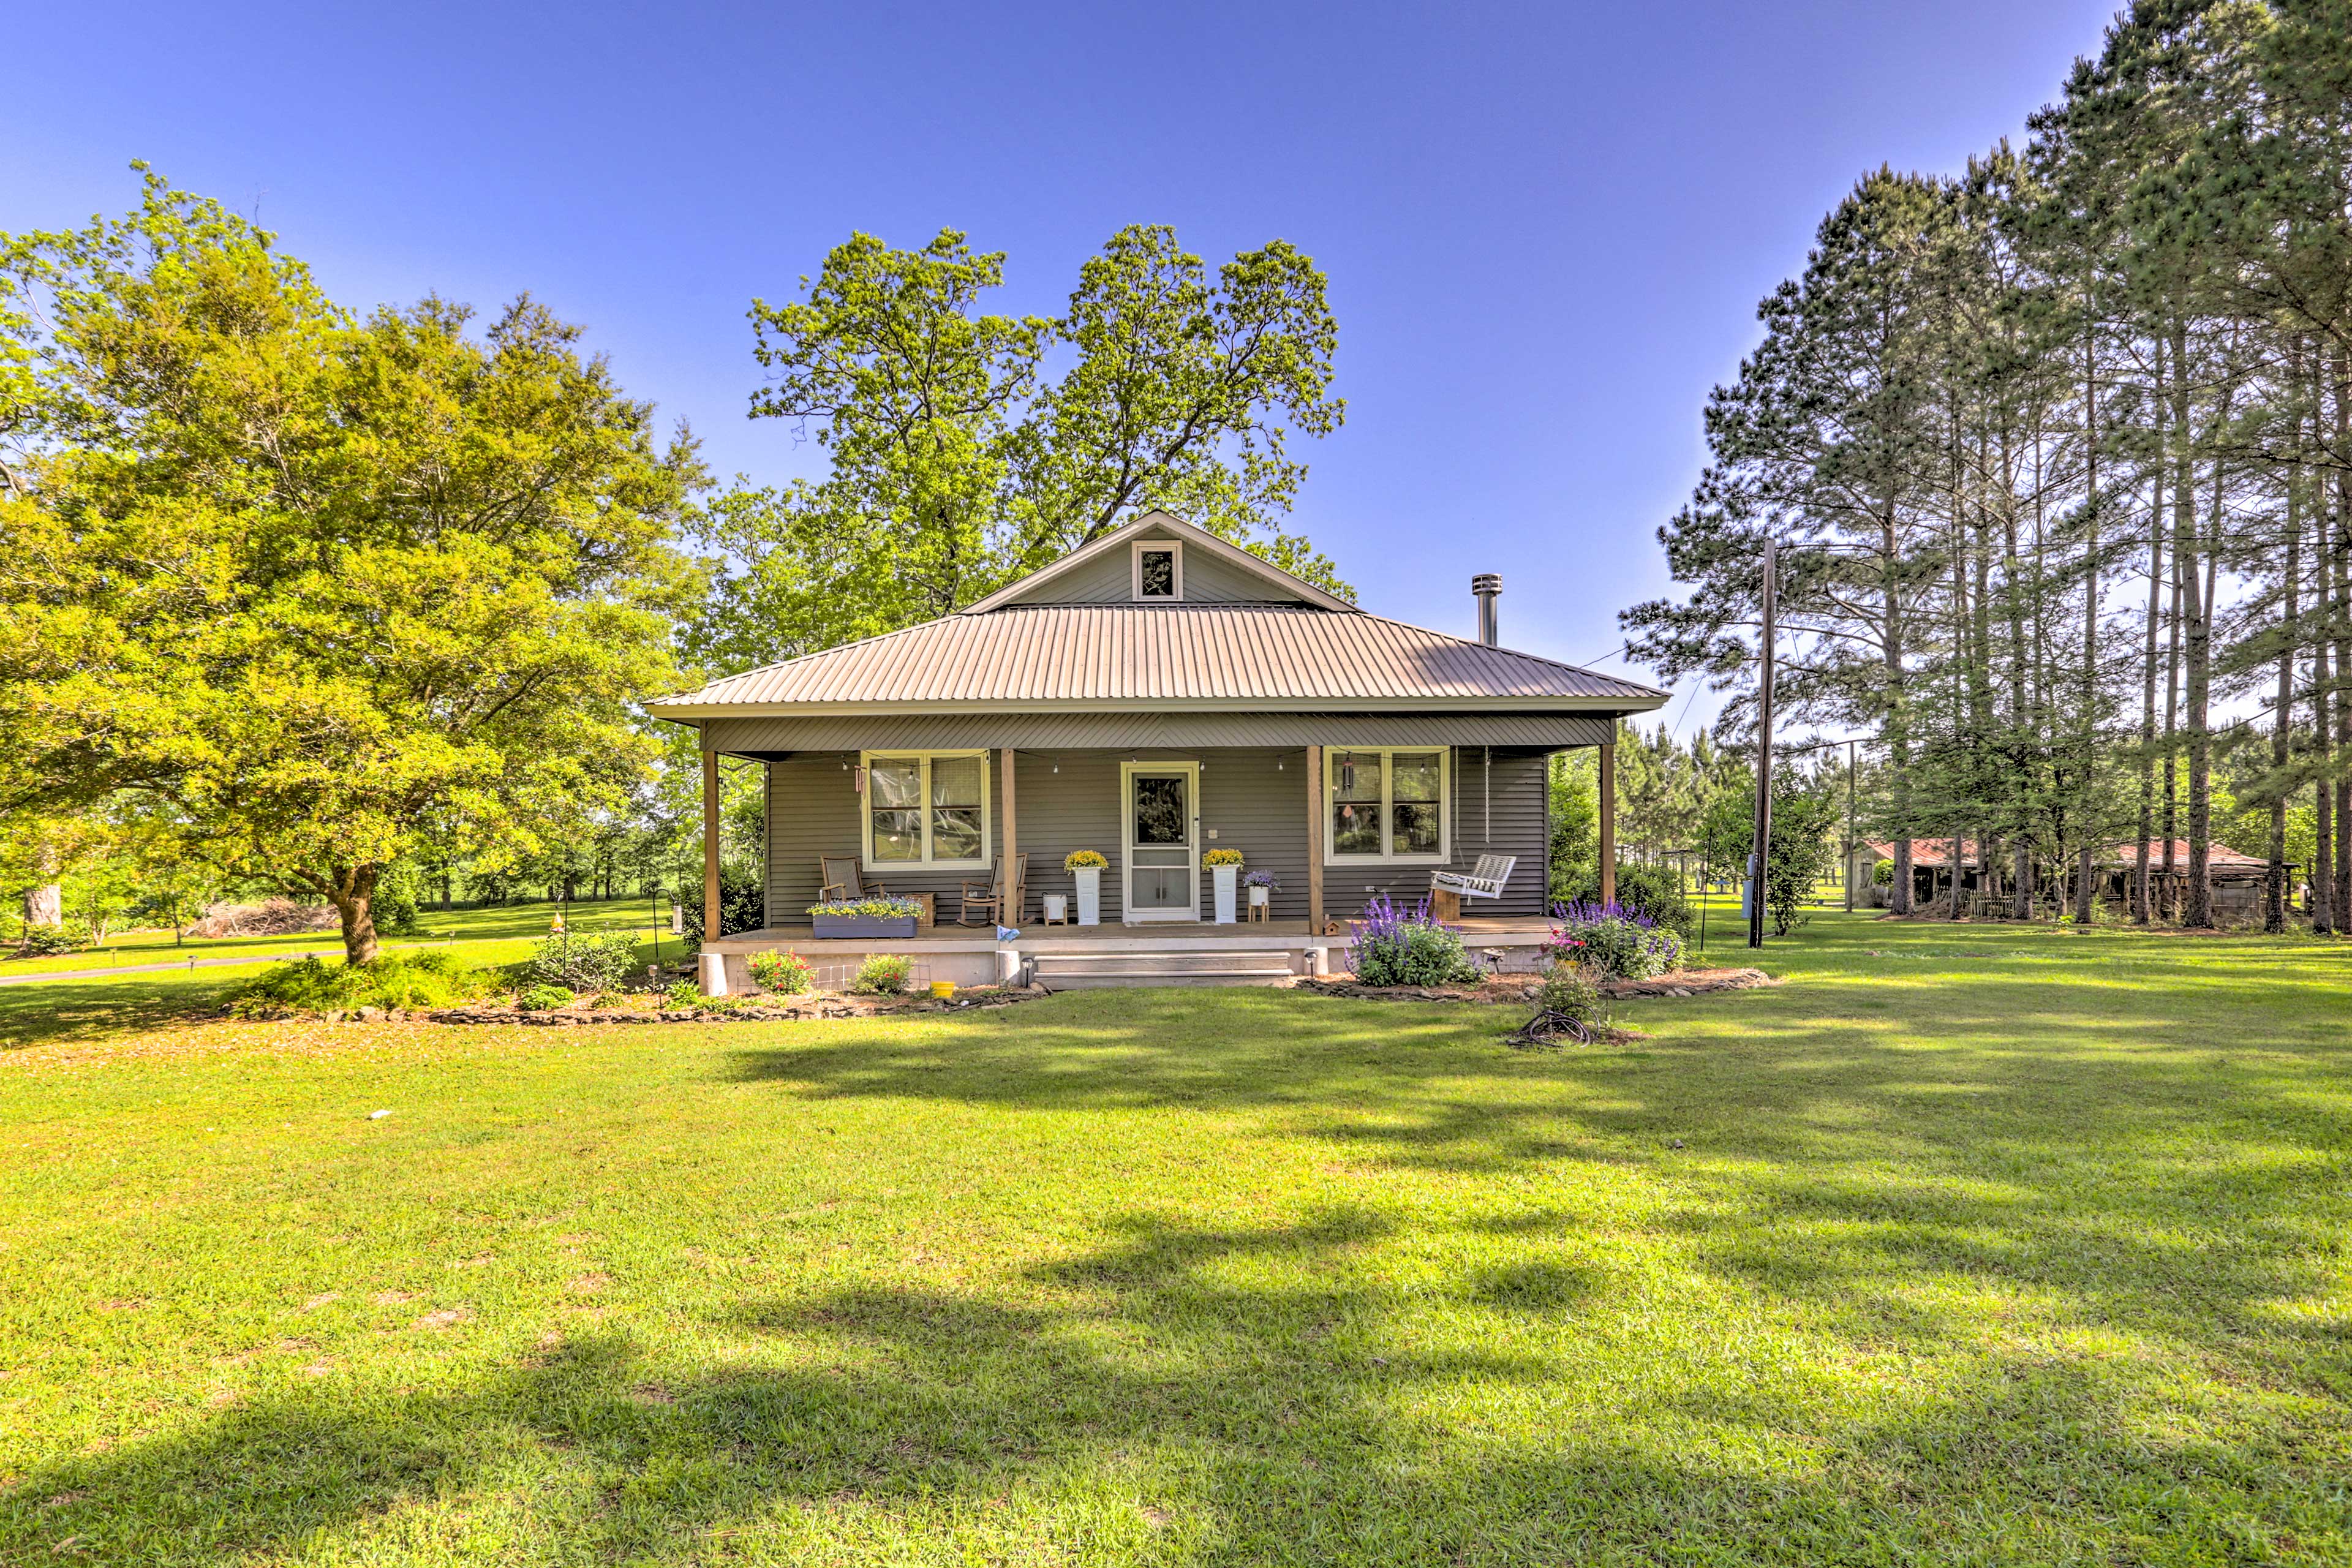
864	925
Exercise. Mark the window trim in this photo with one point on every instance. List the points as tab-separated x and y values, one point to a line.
928	863
1388	857
1174	547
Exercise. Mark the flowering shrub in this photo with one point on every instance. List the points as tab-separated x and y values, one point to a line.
1405	947
883	975
874	909
1083	859
1614	940
787	973
539	998
1221	858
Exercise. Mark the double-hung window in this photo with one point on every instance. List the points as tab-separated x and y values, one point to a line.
925	809
1385	803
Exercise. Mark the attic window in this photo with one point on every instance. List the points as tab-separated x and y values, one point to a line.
1159	569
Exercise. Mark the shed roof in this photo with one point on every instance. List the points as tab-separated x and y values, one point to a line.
1928	852
1230	657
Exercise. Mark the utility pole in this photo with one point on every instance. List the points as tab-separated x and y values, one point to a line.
1760	855
1849	827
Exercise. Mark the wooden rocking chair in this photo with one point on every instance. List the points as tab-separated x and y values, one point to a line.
837	878
999	900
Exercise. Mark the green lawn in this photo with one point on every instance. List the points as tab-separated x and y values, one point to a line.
1969	1244
496	935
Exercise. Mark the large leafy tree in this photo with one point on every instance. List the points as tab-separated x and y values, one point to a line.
332	590
958	459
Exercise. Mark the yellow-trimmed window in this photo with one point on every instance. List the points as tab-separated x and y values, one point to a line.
1385	803
925	809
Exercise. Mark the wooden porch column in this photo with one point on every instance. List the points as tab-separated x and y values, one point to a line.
710	845
1608	823
1314	841
1010	845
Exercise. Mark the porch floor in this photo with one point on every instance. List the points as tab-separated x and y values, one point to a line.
1171	935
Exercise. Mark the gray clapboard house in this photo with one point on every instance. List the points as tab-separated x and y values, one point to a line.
1154	695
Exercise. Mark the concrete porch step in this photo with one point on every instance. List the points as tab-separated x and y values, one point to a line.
1082	971
1169	959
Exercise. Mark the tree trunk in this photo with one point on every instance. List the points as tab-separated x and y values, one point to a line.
1897	729
352	892
2283	711
45	905
2090	699
2324	905
2196	636
2170	821
2341	624
2142	908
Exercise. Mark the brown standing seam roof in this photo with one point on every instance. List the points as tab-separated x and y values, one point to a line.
1143	652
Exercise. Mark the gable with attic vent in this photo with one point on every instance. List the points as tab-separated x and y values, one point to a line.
1113	578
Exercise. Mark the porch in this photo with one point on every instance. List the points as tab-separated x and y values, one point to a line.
1264	950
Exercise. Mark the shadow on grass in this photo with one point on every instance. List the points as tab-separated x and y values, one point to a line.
77	1010
1186	1392
2141	1167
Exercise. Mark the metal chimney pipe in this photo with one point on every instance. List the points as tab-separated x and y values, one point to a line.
1488	586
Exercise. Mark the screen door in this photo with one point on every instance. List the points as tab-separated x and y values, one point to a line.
1162	875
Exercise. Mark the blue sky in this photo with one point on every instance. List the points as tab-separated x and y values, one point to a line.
1546	227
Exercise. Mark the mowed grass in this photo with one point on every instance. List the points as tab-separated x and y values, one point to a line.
494	935
1968	1245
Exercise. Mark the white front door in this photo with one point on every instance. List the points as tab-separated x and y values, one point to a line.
1162	805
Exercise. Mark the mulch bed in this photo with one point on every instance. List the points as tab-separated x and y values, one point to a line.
1508	988
1521	989
1690	983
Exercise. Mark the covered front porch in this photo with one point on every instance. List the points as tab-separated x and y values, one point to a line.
974	956
913	813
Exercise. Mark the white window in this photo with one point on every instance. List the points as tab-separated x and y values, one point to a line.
925	809
1385	803
1159	569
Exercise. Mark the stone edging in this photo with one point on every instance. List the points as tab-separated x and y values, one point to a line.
816	1007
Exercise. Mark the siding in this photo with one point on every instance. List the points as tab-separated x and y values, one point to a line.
1519	818
812	810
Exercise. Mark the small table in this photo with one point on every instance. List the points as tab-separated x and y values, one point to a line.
927	908
1445	904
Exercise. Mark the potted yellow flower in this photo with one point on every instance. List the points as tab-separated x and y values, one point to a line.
1225	867
1087	867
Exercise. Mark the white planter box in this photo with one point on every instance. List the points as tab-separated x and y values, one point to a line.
1057	907
1089	895
1228	879
1258	896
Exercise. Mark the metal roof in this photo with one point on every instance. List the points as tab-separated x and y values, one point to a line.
1204	656
1929	852
776	736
